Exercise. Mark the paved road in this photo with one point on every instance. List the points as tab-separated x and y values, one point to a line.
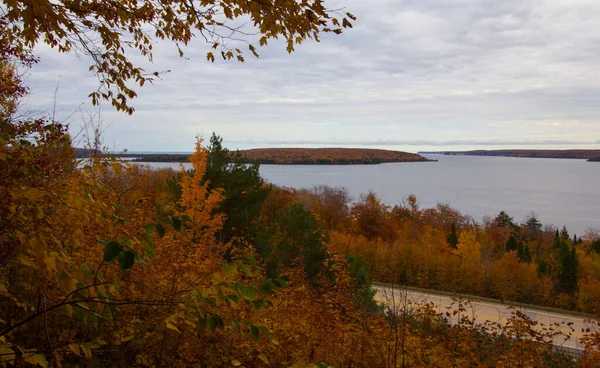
483	311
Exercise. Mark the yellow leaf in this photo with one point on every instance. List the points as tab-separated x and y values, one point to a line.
58	358
236	363
24	260
3	289
86	350
172	327
263	357
7	353
75	348
50	262
37	359
68	310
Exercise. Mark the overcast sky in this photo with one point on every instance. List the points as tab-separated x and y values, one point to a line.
411	75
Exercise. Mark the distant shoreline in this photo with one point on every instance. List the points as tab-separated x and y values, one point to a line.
580	154
292	156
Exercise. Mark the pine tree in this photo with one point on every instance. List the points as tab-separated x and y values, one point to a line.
452	238
523	253
596	245
512	243
244	189
567	273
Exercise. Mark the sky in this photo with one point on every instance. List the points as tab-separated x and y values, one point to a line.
412	75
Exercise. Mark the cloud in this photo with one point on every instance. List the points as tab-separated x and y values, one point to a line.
424	71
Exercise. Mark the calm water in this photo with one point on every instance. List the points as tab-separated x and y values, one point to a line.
558	191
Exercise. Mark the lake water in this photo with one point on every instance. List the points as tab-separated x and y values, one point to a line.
558	191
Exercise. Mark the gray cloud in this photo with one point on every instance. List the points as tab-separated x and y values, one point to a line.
520	72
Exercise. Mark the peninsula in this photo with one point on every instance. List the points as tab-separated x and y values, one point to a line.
582	154
300	156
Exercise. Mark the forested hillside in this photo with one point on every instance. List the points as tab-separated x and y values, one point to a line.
534	153
296	156
119	265
328	156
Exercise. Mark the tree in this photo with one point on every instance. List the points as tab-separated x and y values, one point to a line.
372	218
244	189
111	32
504	220
452	238
292	238
596	245
564	233
330	204
363	292
512	243
567	273
523	253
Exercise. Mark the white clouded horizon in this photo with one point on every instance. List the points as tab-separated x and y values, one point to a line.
410	74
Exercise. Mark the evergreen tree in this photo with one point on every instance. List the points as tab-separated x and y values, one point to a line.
512	243
564	234
504	220
293	237
567	273
245	191
523	253
363	292
452	238
596	245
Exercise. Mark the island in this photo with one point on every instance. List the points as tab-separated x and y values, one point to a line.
582	154
298	156
329	156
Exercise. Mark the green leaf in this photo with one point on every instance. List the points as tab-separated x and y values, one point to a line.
149	229
264	330
112	249
150	248
253	331
248	292
234	298
230	268
246	269
266	286
126	260
250	259
214	321
174	222
281	282
235	324
257	304
160	230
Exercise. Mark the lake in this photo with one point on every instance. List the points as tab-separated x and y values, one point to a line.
557	191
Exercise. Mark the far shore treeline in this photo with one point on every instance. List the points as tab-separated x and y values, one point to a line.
290	156
582	154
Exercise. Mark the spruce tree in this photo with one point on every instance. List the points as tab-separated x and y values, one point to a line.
452	238
567	273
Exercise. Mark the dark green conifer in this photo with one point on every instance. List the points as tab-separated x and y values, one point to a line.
452	238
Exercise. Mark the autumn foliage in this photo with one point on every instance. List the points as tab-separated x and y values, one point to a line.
328	156
104	263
